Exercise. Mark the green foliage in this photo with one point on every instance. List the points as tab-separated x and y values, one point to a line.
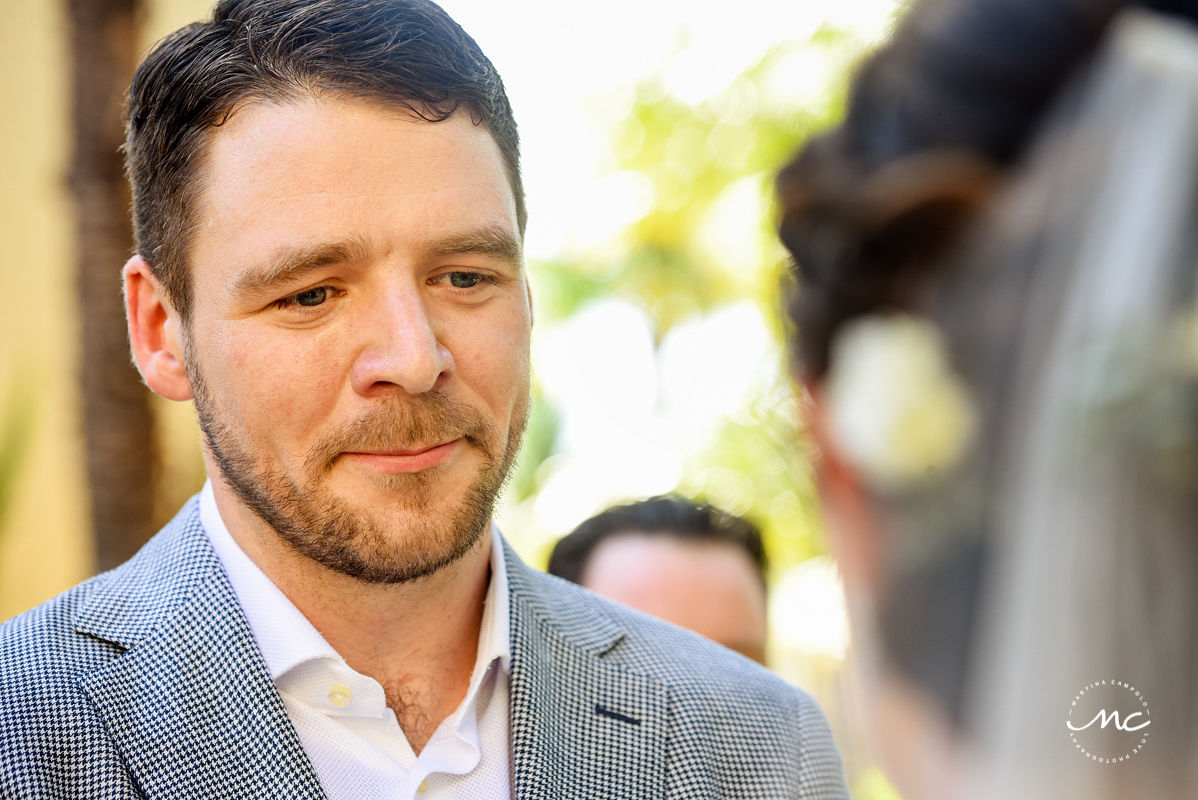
710	165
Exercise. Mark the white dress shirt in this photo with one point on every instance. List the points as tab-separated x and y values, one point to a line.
352	738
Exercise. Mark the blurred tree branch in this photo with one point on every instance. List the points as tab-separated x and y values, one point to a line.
117	418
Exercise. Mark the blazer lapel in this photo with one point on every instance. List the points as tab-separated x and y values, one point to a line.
189	704
581	726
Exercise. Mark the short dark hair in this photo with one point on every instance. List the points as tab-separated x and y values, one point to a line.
667	515
404	52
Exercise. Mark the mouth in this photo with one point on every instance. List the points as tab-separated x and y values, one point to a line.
414	459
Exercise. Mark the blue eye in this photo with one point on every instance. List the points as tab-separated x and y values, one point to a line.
464	280
312	297
309	298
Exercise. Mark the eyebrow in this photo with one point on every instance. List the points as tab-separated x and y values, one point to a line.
289	264
488	241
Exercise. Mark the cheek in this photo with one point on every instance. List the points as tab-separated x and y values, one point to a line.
496	367
281	379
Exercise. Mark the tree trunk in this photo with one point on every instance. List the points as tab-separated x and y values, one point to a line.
117	417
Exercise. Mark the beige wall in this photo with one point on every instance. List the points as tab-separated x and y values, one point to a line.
43	537
42	542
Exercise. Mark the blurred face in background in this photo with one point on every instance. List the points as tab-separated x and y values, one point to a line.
712	588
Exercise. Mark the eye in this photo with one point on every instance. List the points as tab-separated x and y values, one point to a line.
308	298
312	297
465	280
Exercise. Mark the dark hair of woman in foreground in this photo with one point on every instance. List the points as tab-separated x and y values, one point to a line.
996	319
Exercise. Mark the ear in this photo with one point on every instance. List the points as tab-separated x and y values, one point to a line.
853	532
155	332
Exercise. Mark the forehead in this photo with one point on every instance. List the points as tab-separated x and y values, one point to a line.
660	562
709	587
313	169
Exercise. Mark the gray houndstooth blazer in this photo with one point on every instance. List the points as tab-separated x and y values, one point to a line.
146	682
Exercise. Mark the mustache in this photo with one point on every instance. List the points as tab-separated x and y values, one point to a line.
404	424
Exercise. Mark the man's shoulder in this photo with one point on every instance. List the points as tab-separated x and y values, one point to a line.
43	639
118	673
64	636
47	725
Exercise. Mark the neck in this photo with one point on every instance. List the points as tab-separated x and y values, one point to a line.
418	639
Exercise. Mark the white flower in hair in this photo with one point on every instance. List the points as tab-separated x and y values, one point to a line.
896	410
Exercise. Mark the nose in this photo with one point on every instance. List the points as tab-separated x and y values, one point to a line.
401	349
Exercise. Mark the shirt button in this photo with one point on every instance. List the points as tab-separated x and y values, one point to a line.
340	696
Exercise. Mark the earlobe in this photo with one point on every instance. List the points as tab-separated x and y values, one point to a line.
155	333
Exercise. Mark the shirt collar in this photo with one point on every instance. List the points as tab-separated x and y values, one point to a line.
286	637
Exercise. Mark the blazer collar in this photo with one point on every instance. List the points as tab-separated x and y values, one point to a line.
580	720
190	675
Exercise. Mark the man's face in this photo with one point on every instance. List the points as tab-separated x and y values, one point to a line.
712	588
358	349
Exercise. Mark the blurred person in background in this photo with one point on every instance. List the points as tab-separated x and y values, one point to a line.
997	328
684	562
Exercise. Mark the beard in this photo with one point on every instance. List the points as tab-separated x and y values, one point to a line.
323	527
